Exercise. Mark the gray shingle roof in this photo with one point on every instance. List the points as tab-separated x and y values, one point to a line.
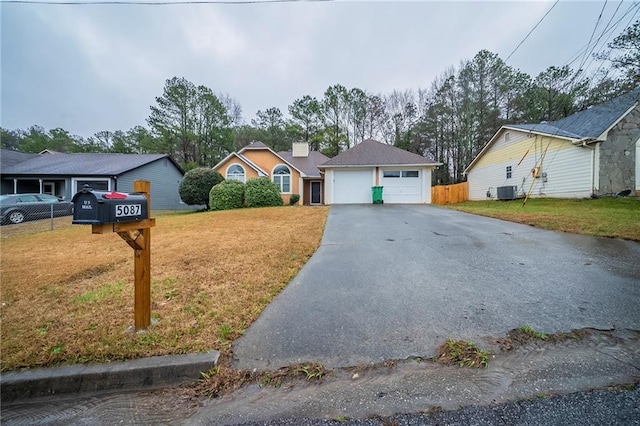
307	165
545	128
590	123
10	158
255	145
82	164
594	121
373	153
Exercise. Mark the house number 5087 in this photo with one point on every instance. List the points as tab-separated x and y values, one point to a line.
128	210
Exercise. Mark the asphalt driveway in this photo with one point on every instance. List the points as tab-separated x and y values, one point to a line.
391	282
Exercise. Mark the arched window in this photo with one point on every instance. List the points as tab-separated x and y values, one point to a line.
282	178
235	172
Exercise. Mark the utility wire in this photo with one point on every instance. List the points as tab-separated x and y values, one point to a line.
595	73
586	52
532	30
580	75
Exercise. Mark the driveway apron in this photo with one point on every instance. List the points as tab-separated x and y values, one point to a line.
392	282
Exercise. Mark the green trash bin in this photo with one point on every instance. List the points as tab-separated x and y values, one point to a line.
376	194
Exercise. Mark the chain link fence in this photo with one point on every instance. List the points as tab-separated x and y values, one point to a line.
29	213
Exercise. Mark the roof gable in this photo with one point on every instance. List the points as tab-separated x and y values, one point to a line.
308	165
590	124
257	145
595	121
373	153
244	160
547	129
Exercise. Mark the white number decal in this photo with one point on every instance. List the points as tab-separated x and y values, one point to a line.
128	210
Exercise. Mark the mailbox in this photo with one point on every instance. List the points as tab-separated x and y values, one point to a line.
97	207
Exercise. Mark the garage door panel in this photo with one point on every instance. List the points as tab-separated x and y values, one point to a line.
402	190
352	186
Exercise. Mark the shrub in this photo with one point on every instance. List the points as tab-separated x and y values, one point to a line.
262	192
294	199
228	194
196	184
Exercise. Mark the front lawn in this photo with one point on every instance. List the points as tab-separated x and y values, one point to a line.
67	295
603	217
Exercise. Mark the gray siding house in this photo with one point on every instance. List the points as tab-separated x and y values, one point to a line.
65	174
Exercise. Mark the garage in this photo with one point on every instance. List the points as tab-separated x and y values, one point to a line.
401	186
352	186
404	176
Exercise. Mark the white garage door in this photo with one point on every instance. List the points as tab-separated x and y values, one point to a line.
401	186
352	186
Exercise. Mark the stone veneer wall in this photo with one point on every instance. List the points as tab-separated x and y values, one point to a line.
618	155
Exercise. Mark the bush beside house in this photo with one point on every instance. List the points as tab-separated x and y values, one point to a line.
196	185
226	195
261	192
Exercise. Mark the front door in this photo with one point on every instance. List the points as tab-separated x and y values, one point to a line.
316	191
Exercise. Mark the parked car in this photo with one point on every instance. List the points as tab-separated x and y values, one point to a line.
17	208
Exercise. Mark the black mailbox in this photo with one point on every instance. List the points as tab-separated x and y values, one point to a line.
96	207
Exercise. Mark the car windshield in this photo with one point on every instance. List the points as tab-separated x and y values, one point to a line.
49	198
4	197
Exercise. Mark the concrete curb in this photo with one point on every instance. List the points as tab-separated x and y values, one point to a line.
146	373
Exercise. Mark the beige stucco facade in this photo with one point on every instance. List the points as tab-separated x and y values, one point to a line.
266	161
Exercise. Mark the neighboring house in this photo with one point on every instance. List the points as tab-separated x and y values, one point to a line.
590	153
404	176
295	172
65	174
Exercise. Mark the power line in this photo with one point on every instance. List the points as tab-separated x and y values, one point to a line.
532	29
586	54
154	3
610	30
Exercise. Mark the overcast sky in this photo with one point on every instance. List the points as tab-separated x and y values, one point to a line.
87	68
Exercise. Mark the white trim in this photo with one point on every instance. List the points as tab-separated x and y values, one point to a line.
244	172
290	178
257	169
361	166
311	192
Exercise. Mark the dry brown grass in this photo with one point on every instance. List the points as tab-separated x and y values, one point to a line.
67	295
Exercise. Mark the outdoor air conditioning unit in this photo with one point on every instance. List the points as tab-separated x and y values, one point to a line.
507	192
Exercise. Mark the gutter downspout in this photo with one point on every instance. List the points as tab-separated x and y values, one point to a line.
593	163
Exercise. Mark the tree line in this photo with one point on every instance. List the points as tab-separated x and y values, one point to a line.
451	120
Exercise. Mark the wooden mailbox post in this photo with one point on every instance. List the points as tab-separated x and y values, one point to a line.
138	235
